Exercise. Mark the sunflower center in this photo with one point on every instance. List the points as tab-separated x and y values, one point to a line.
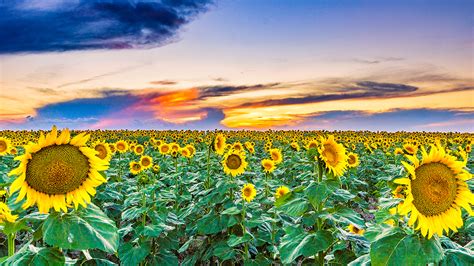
247	192
267	166
434	188
136	167
3	146
121	146
352	159
102	151
275	156
331	155
145	162
233	161
57	169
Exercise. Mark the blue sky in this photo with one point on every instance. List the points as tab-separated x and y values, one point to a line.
378	65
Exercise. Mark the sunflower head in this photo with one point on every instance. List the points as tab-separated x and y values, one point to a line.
234	163
333	155
436	190
295	146
410	148
139	149
164	148
248	192
103	150
276	155
146	162
281	191
135	168
121	146
352	159
4	146
355	230
268	165
58	171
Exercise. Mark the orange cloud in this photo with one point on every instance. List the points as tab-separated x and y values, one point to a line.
175	107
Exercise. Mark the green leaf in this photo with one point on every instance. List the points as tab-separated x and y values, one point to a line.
97	262
457	257
231	211
295	208
12	228
133	255
237	240
31	255
400	249
361	261
84	229
318	192
299	243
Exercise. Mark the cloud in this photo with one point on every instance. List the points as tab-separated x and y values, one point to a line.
377	60
164	82
361	89
45	26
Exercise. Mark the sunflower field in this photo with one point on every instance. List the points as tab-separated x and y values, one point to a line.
151	197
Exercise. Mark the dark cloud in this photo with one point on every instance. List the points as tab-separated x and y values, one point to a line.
163	82
217	91
35	26
362	89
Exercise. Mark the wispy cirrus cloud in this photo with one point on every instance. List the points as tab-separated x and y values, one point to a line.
60	25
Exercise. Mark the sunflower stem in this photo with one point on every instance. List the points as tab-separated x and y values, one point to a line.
208	178
11	244
244	231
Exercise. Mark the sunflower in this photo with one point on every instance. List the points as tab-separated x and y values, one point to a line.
174	146
352	159
281	191
146	162
248	192
313	144
334	155
238	146
156	168
185	152
103	150
295	146
164	148
139	149
191	149
234	163
58	171
398	151
355	230
121	146
135	168
276	155
4	146
435	191
268	165
219	144
6	214
410	148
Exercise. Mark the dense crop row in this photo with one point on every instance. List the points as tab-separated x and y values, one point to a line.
259	198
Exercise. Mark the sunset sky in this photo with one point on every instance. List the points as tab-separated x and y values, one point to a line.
237	64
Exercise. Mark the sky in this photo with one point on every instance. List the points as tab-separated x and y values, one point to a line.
237	64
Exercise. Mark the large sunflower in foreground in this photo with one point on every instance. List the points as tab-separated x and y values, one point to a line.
58	171
333	155
435	192
234	163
